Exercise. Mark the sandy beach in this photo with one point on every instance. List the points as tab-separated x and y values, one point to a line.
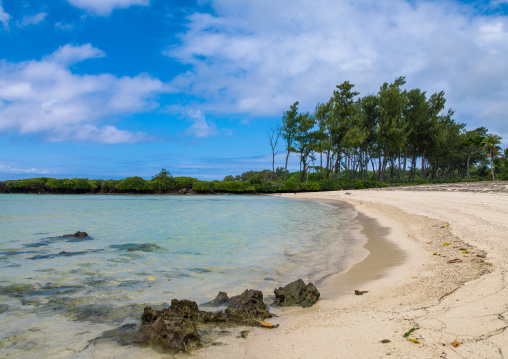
414	233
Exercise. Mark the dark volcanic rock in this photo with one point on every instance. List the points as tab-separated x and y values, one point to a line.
78	234
176	327
169	329
296	293
247	305
221	299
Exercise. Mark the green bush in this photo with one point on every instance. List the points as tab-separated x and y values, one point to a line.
328	184
133	184
291	185
202	186
310	186
184	182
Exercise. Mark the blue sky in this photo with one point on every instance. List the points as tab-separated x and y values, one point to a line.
117	88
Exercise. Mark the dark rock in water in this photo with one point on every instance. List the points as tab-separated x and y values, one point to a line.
132	247
296	293
176	327
172	328
78	234
221	299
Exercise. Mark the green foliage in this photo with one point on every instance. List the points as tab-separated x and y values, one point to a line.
202	186
184	182
133	184
291	185
162	182
110	184
310	186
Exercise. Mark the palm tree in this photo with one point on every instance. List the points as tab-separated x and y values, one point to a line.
491	143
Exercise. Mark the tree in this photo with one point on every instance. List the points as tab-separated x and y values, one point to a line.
344	114
163	181
289	131
473	144
491	143
273	137
393	129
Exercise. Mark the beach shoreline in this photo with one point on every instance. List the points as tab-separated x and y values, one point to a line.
465	301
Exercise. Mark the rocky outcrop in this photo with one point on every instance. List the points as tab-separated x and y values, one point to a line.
176	327
78	234
296	293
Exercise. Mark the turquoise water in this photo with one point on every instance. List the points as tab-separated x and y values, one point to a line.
60	296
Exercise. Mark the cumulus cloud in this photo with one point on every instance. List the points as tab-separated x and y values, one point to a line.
4	17
44	97
258	57
200	126
105	7
70	54
33	19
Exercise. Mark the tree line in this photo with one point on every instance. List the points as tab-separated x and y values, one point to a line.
382	136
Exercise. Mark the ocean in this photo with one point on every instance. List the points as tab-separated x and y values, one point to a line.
66	297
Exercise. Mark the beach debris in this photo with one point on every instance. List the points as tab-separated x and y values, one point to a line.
446	244
268	325
414	341
296	293
78	234
464	251
176	327
360	292
455	343
456	260
150	278
481	255
244	333
385	341
408	333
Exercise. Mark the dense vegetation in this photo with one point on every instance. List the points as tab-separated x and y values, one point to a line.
382	136
364	142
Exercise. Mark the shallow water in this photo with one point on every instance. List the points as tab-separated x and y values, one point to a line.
64	297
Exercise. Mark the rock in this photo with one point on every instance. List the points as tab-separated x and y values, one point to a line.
221	299
78	234
171	328
183	191
247	306
296	293
176	327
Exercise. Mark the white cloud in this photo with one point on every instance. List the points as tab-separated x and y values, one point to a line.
33	19
44	97
200	127
105	7
4	17
70	54
14	170
258	57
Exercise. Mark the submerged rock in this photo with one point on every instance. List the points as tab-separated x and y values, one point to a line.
297	293
78	234
132	247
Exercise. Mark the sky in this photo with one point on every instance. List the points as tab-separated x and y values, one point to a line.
105	89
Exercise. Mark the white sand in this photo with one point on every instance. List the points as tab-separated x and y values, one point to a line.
466	301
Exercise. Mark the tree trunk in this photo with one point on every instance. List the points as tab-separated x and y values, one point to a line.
286	168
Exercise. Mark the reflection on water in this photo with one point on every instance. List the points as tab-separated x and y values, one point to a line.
64	296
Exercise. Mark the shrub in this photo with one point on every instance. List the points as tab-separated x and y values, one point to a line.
133	184
202	186
310	186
